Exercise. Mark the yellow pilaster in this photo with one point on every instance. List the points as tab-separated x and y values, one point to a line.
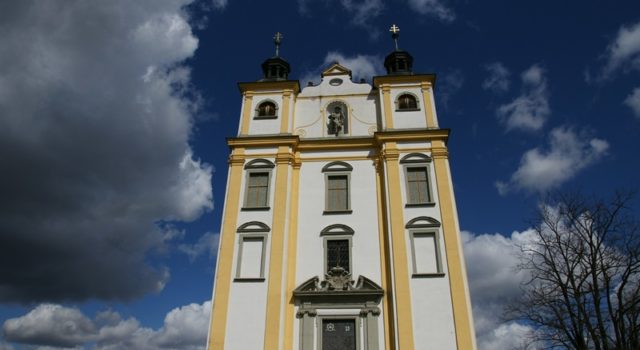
274	290
428	104
402	297
246	113
386	100
225	260
286	101
291	253
385	268
465	336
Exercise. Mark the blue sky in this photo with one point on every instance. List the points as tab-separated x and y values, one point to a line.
115	113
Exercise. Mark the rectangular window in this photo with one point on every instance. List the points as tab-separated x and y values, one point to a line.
337	193
250	258
339	334
426	256
257	190
417	185
337	253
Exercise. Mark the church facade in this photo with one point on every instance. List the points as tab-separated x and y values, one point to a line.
340	228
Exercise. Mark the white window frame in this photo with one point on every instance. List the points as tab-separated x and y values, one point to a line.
251	231
335	169
417	161
257	166
420	227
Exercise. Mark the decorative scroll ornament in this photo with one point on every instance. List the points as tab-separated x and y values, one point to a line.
337	279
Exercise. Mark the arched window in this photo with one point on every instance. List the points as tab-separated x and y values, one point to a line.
258	177
407	102
337	247
252	239
267	109
426	256
337	178
418	186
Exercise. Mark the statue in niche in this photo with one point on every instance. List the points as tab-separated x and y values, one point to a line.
337	123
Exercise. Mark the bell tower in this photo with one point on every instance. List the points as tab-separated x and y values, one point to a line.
340	228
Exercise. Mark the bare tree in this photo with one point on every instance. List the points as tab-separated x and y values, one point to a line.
584	264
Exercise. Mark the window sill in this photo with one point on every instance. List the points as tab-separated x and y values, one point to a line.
420	205
428	275
266	117
336	212
248	280
408	110
255	208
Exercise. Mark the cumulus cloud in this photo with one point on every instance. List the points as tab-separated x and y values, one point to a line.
633	101
624	51
361	66
530	110
97	112
207	244
433	8
568	153
498	79
56	326
494	281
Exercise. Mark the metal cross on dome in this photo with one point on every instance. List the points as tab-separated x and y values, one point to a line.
395	33
277	39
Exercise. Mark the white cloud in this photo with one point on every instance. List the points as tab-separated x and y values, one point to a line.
207	244
51	325
434	8
451	82
97	111
530	110
633	101
624	51
55	326
494	281
568	153
361	12
361	66
498	79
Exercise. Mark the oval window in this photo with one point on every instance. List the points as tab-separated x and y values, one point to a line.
335	82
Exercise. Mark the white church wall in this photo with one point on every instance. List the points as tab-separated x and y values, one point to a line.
311	116
365	253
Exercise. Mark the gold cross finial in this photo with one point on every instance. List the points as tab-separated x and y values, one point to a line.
395	33
277	39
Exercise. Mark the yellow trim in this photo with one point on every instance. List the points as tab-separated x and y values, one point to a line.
402	297
292	254
225	260
385	268
270	85
457	277
428	104
399	79
286	98
276	257
246	113
346	143
386	101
